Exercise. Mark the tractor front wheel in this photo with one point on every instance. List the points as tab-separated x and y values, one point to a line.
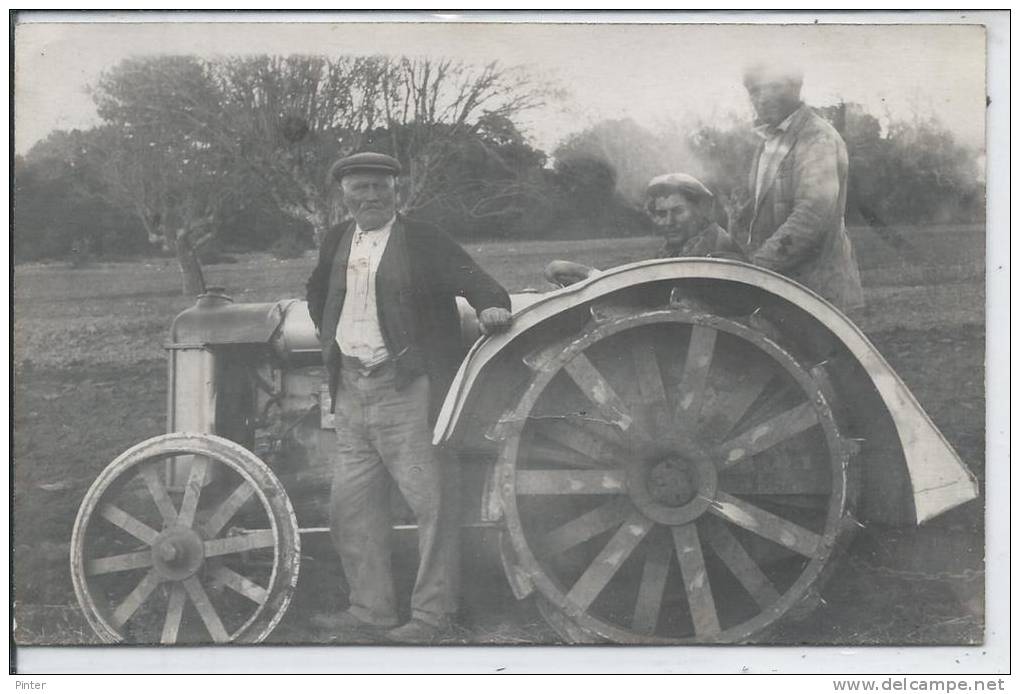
185	538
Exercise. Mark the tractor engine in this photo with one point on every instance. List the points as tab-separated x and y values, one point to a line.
253	373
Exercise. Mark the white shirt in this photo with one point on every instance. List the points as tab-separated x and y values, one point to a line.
358	333
772	136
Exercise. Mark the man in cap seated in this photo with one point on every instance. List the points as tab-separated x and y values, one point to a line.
794	223
681	206
383	300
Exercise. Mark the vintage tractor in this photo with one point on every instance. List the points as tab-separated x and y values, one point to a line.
672	451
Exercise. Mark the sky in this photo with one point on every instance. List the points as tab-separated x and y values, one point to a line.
651	73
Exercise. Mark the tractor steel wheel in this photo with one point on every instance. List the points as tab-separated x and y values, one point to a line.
672	477
185	538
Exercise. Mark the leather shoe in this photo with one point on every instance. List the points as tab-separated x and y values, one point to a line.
417	631
345	622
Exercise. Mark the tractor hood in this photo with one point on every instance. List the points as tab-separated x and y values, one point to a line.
216	320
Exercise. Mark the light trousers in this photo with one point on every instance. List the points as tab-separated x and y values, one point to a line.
383	434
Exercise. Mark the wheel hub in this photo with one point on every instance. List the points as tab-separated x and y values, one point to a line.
671	483
674	489
178	553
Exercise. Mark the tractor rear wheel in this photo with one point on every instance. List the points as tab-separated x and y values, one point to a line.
672	476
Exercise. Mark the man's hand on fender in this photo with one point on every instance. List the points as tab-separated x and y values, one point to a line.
494	320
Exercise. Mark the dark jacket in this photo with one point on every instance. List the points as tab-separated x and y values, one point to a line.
420	274
711	242
796	223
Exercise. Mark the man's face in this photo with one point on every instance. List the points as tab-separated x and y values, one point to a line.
370	197
773	99
676	215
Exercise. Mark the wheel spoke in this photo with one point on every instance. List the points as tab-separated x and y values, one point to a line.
653	584
728	548
691	391
192	491
811	499
575	438
765	524
608	562
241	584
226	510
174	612
150	475
206	611
135	599
119	562
651	391
540	454
594	385
779	394
696	584
729	404
571	482
128	523
256	539
584	527
763	436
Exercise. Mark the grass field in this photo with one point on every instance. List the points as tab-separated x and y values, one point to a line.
90	382
114	313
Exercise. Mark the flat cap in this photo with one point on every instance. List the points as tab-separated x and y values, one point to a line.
372	162
667	184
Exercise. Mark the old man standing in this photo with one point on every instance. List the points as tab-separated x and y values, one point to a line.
383	298
798	183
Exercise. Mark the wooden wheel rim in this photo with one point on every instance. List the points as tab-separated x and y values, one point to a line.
839	497
253	473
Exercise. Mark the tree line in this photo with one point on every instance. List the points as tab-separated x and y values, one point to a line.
199	157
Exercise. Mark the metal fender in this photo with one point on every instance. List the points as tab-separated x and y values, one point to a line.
938	478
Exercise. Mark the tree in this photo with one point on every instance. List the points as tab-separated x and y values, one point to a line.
588	179
589	203
927	176
718	153
723	151
159	156
912	171
488	181
432	106
632	152
58	209
188	143
286	119
289	118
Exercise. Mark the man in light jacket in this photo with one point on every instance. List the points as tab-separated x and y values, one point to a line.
794	223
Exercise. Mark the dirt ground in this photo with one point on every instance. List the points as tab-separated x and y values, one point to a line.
73	416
